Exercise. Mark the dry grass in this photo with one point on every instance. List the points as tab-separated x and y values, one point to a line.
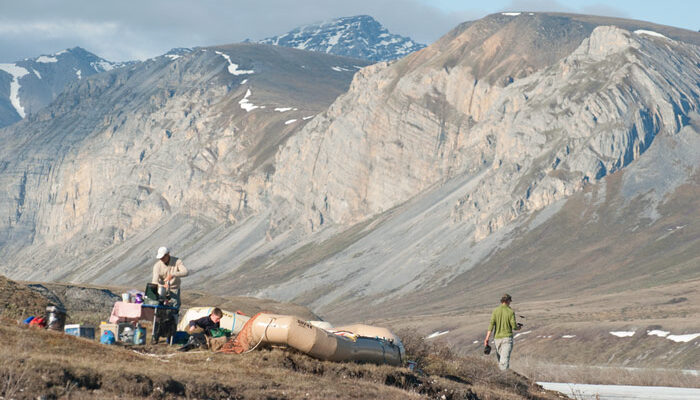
18	301
436	358
50	364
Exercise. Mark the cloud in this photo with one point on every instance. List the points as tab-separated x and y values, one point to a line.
556	6
56	28
537	5
136	29
605	10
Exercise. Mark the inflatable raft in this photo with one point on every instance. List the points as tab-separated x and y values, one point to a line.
361	343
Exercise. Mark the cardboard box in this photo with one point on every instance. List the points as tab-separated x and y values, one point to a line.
80	331
109	327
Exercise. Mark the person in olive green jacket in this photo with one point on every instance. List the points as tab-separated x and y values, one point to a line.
502	326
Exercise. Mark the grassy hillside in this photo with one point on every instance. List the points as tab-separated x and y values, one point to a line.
53	365
50	365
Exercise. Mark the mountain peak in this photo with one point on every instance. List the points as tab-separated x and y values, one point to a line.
35	82
359	36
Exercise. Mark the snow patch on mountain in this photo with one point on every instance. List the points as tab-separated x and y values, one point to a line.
622	333
46	59
358	37
233	67
16	72
246	104
649	33
436	334
102	66
683	338
659	333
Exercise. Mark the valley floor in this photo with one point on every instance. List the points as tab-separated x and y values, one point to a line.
645	337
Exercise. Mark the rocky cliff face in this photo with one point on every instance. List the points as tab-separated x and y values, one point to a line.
533	133
186	134
27	86
418	182
360	37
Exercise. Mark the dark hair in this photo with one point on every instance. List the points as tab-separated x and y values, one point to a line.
506	297
217	312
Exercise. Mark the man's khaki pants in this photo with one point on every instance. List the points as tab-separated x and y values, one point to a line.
503	348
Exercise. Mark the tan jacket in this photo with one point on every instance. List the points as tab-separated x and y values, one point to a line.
175	268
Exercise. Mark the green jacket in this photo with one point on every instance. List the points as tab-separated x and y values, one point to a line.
502	322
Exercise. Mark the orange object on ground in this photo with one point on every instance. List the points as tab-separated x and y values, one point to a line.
242	342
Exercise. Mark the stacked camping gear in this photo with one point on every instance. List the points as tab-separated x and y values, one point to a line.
125	329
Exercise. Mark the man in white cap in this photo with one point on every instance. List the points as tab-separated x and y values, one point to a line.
167	272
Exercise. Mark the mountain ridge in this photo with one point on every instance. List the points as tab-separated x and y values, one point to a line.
416	177
35	82
359	36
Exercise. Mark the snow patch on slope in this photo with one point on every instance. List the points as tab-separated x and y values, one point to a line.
622	333
683	338
16	72
233	67
436	334
246	104
46	59
649	33
102	66
657	332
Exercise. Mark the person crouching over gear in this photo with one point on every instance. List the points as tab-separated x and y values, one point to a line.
201	332
502	326
167	272
206	324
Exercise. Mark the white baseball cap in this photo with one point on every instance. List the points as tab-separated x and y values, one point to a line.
162	252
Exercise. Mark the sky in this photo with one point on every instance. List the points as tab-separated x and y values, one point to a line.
139	29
